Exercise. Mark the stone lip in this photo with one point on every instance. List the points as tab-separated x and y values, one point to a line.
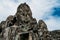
22	26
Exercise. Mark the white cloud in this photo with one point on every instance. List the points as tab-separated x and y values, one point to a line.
53	23
41	9
7	8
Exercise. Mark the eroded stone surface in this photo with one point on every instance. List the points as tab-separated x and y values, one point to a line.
22	26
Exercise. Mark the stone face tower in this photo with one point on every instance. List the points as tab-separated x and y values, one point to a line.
22	26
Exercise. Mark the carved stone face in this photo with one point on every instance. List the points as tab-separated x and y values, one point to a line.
23	7
42	24
24	12
10	18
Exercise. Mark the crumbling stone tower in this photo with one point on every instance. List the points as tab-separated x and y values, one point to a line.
22	26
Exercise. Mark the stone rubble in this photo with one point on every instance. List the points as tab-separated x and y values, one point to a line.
22	26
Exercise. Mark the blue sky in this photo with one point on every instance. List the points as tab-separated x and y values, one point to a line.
47	10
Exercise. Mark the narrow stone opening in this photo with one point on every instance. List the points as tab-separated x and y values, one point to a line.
10	23
24	36
0	30
14	20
